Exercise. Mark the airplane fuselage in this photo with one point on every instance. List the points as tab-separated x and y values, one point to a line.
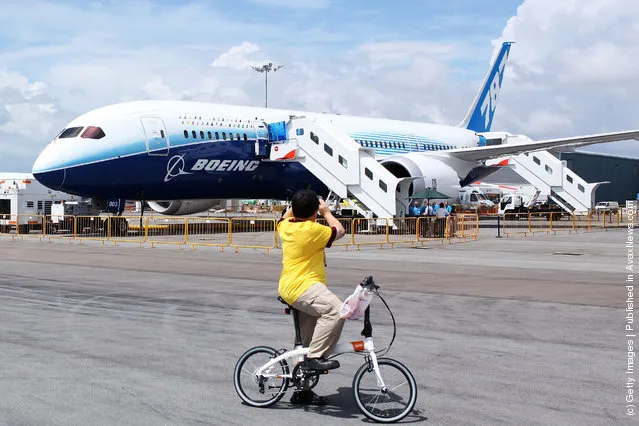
162	150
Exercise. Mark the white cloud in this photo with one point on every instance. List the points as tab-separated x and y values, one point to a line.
236	57
29	111
572	70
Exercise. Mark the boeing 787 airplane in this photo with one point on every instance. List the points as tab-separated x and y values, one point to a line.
180	156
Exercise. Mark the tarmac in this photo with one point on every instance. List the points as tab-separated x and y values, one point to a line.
515	331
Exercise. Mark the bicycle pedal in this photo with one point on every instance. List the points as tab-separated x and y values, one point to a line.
315	372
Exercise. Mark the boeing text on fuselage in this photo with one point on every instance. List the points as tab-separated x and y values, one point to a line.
176	166
225	165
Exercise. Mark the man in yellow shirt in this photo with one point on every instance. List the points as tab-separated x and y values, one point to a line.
303	279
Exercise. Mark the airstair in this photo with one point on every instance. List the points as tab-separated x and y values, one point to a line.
345	167
551	176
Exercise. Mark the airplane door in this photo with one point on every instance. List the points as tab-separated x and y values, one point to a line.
157	142
261	138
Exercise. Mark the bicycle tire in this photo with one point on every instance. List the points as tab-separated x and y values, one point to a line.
260	385
379	398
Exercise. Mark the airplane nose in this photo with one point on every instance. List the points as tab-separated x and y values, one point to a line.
52	179
46	169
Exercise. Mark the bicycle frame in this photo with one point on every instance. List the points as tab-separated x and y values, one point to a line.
364	347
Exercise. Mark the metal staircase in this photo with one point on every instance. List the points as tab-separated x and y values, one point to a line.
551	175
345	167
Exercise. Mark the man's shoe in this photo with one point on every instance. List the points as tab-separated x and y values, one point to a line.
308	397
320	364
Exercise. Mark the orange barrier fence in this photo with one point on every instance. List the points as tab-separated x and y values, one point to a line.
402	231
370	232
60	227
253	233
531	223
204	231
239	233
463	226
161	230
433	228
261	233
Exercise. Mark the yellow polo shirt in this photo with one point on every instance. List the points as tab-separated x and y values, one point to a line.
303	243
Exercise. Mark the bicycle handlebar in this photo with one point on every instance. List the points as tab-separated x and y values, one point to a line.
369	283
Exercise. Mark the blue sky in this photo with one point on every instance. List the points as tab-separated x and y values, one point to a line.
572	70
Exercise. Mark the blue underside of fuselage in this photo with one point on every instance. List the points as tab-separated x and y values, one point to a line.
170	176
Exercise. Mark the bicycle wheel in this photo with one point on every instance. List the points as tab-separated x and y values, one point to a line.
390	405
260	391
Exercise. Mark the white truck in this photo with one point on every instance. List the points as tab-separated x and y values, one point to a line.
473	196
528	199
23	202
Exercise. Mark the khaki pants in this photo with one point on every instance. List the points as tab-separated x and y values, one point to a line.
320	323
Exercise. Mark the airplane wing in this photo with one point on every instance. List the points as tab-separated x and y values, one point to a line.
496	151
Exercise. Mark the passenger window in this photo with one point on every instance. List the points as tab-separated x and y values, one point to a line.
368	173
224	135
314	138
230	136
194	134
245	137
71	132
161	133
186	134
383	186
201	134
548	169
342	161
537	160
217	136
328	150
209	135
568	178
237	136
581	188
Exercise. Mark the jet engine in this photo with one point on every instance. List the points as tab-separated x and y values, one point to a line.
182	207
436	173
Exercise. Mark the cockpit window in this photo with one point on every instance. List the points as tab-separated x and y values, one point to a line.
93	132
71	132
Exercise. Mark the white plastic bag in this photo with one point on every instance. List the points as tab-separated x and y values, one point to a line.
355	304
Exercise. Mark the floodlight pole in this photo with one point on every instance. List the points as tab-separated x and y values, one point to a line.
266	68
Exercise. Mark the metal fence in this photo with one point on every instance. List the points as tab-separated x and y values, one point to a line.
246	232
547	222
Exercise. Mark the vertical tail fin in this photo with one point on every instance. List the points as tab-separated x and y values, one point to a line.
480	116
